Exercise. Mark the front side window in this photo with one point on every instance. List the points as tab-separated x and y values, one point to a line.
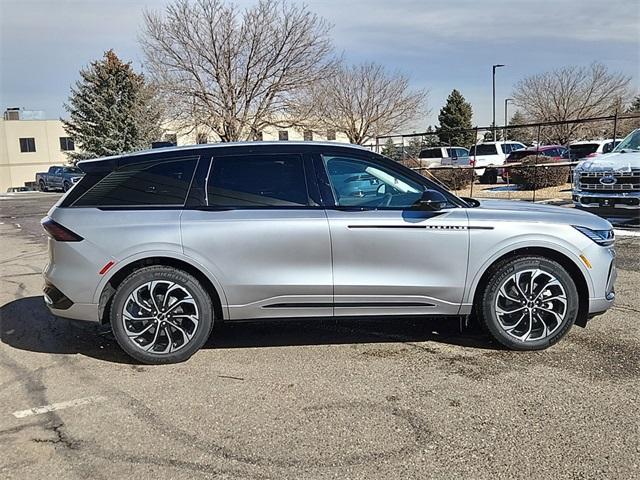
143	184
257	181
27	145
361	183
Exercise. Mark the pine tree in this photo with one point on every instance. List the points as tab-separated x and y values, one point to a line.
111	110
454	116
523	135
390	150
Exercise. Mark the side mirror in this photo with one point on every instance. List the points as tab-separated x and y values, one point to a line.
431	200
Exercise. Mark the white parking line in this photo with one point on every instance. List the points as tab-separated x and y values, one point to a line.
57	406
626	233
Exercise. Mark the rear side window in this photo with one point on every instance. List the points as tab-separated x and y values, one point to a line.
257	181
431	153
144	184
482	149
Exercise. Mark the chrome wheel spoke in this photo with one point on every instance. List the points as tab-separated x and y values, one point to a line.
531	304
170	312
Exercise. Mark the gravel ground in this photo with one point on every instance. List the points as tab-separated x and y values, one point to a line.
307	399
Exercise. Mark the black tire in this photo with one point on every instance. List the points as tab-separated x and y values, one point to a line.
66	186
486	309
490	177
41	186
202	301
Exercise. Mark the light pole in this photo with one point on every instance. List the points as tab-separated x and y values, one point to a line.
506	102
493	125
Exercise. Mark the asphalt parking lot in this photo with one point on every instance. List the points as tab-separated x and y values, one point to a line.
307	399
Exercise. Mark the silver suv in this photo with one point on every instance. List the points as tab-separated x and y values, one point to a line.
164	243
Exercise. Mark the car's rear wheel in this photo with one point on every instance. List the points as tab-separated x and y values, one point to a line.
529	303
161	315
41	186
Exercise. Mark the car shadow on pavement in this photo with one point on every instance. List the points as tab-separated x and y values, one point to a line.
26	324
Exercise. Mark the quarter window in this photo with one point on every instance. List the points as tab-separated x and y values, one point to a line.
27	145
361	183
144	184
257	181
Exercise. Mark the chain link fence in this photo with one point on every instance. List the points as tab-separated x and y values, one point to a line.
534	178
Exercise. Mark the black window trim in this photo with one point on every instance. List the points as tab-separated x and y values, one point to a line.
309	178
27	144
151	163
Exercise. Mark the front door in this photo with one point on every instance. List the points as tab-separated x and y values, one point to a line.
263	236
388	256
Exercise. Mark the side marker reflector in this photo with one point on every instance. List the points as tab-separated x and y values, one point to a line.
106	268
586	261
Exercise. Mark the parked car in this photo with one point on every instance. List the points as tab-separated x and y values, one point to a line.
609	184
162	244
590	148
555	152
58	178
491	154
436	156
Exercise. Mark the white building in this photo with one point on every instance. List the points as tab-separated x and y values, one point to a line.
31	144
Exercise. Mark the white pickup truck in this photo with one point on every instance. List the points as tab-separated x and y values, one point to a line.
609	184
491	154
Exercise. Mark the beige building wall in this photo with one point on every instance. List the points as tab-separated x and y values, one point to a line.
18	167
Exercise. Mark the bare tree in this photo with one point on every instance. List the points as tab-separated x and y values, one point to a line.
569	93
234	71
362	101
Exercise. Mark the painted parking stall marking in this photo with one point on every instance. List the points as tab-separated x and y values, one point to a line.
58	406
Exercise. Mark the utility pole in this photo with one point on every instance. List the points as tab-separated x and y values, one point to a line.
493	125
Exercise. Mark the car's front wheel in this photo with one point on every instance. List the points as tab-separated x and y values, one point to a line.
161	315
529	303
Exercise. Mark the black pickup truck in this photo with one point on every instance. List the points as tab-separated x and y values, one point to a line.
58	178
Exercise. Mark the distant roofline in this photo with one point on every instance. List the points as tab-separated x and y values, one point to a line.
202	146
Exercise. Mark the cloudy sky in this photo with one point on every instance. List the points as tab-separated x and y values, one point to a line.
440	44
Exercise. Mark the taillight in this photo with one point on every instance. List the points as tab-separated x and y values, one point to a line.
58	232
472	162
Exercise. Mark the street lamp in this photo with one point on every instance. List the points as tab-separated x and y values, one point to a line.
494	99
506	102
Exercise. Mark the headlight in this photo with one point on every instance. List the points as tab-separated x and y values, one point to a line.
601	237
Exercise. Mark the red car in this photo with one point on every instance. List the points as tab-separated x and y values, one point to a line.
555	152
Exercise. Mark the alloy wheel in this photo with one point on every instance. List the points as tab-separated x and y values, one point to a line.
531	305
160	317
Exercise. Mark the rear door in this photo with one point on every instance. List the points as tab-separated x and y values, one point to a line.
262	232
389	258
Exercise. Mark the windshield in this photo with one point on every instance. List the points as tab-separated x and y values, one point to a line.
630	143
71	170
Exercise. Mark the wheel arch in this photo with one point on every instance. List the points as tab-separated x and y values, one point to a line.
565	261
108	290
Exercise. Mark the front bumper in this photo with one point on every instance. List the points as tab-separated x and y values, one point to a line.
618	200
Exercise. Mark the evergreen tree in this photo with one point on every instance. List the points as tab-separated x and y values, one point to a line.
111	110
523	135
431	140
390	150
455	115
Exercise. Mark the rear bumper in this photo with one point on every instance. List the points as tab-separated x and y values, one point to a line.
79	311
